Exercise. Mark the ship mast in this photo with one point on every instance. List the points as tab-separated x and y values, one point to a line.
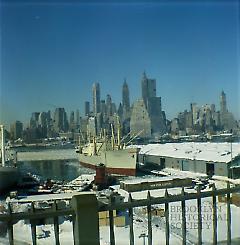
118	134
113	138
3	145
94	146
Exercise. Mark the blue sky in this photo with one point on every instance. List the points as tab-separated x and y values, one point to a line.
52	52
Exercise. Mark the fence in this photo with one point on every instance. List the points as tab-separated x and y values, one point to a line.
84	210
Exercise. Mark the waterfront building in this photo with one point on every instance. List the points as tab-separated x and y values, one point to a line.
220	159
140	120
96	98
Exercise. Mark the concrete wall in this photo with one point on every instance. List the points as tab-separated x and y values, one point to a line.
221	169
196	166
201	167
172	163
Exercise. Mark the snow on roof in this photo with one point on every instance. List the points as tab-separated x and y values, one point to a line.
46	197
152	179
206	151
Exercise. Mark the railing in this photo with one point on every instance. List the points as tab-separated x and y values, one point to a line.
84	210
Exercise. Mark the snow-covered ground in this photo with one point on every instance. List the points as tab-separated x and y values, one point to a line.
175	218
22	231
45	234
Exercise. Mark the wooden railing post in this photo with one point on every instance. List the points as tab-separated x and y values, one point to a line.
86	224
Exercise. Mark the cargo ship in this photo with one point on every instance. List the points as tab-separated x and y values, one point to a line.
116	156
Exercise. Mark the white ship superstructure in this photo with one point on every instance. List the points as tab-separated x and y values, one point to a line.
117	158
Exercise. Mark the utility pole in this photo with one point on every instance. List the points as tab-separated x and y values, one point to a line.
3	145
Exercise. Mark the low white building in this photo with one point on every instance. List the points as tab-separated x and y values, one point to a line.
222	159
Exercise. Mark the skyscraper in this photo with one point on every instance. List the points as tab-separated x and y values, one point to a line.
125	107
226	118
148	89
72	121
77	118
140	122
60	120
16	130
223	103
87	108
96	98
153	105
125	96
223	110
34	119
109	105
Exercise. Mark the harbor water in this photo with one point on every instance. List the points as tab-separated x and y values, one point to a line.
63	170
59	170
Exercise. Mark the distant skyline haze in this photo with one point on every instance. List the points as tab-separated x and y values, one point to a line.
53	51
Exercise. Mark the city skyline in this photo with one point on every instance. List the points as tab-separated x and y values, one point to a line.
53	53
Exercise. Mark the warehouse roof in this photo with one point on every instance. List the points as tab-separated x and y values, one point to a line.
207	151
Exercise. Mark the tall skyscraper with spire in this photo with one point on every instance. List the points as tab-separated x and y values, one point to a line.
125	96
223	110
124	108
96	98
227	119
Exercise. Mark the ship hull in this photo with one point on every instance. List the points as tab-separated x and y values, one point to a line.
122	162
9	177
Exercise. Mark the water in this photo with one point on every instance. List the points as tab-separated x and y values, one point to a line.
51	169
62	170
56	170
